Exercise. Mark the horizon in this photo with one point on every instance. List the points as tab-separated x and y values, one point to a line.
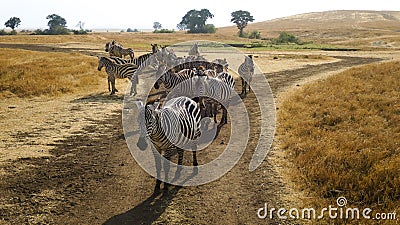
142	17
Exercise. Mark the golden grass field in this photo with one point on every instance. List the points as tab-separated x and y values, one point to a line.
64	159
343	136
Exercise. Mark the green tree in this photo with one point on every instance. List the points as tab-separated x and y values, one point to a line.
57	24
157	26
13	23
195	21
241	19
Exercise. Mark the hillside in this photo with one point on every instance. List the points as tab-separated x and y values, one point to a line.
336	27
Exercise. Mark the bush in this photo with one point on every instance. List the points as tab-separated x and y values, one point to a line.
285	38
3	32
130	30
255	34
210	29
164	31
78	32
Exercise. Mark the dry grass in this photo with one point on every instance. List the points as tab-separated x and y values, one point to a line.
343	135
30	73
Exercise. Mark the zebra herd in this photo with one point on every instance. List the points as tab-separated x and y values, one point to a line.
196	87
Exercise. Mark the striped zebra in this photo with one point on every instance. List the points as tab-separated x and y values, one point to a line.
118	71
194	50
246	71
170	79
142	61
210	106
115	49
170	128
201	87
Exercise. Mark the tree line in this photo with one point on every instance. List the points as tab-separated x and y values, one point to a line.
194	21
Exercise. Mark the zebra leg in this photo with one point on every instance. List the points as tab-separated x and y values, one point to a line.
194	149
112	81
215	111
243	86
158	170
167	156
133	85
224	119
109	83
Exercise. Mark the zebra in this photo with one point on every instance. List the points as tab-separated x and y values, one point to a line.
154	48
201	86
246	71
115	49
210	106
118	71
170	79
142	61
169	128
194	50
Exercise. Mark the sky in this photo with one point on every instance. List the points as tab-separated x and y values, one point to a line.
142	14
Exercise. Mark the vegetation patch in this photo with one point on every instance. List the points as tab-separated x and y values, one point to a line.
343	136
28	73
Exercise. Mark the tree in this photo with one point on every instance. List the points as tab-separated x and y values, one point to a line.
157	26
13	22
195	21
57	24
241	19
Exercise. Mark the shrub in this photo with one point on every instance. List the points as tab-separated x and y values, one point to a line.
130	30
210	29
255	34
164	31
285	38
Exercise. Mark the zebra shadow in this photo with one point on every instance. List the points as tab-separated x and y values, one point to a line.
146	212
150	209
103	97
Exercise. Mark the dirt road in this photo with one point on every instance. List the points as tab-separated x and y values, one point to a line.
89	176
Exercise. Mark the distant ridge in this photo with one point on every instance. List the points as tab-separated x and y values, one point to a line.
329	25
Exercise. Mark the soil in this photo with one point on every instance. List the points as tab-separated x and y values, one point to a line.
64	160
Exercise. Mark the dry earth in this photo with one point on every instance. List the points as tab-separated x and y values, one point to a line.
65	160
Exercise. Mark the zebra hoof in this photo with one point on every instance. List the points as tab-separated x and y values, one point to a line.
116	90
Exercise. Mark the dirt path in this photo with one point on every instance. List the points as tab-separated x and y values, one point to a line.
89	177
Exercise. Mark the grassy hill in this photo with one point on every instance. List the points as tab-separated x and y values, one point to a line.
350	28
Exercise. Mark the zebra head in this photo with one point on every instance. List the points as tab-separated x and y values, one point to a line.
108	45
101	62
154	48
146	119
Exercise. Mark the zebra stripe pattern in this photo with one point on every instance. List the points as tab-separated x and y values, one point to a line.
246	71
201	87
118	71
176	124
115	49
171	79
142	61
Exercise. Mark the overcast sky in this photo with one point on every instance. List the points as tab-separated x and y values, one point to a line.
142	14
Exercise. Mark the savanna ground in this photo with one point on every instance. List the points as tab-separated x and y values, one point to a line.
64	159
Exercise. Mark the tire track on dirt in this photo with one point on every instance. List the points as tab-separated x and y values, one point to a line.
91	177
